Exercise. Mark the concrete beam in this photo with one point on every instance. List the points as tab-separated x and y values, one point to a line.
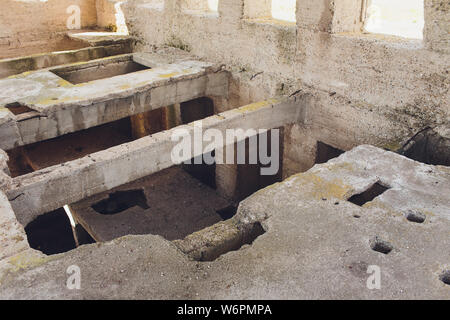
53	187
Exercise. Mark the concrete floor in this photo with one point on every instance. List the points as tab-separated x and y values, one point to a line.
317	245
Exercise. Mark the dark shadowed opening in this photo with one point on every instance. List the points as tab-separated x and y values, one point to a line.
51	233
326	152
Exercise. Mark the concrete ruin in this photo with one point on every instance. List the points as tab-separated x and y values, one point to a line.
88	116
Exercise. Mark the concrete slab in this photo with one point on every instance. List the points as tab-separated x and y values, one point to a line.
316	244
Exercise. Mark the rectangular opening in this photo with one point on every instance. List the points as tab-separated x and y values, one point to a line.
213	5
370	194
325	152
428	146
17	108
102	70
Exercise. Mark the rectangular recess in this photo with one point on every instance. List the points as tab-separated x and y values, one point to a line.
102	70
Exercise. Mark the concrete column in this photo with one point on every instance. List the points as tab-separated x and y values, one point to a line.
437	25
226	176
348	15
257	8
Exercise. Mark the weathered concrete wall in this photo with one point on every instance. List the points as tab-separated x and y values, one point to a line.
106	13
30	27
375	89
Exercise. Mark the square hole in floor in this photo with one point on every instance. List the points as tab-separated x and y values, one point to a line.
102	70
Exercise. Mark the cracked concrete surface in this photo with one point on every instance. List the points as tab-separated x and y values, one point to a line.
316	244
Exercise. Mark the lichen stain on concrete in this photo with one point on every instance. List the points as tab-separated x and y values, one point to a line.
257	105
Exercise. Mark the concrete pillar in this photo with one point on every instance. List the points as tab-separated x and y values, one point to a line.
437	25
226	176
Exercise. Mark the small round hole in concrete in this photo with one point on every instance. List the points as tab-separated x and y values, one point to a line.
380	245
445	277
415	216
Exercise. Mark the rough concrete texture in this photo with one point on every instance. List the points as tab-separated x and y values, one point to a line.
99	38
175	205
64	107
101	45
316	244
5	178
12	234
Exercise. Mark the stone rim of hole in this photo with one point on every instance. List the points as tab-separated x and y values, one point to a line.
379	245
415	216
445	277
